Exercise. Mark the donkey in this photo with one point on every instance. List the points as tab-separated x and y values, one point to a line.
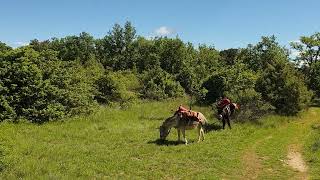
182	123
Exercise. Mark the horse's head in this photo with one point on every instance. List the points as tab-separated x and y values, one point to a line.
164	132
236	106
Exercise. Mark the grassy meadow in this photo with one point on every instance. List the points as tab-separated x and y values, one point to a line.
123	144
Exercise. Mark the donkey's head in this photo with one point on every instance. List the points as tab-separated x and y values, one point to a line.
178	114
164	132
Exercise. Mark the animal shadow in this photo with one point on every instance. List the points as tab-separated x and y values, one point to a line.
161	142
212	127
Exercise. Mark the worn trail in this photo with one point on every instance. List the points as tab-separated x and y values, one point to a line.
287	141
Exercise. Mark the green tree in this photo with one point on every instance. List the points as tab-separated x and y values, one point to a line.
4	47
259	56
172	54
39	87
308	59
70	48
229	56
280	85
158	84
146	55
120	86
40	45
197	66
116	50
230	82
308	48
279	82
315	77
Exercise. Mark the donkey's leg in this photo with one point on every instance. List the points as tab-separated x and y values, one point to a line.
199	133
202	132
184	136
179	135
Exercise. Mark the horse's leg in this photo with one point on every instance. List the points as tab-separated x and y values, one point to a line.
223	122
178	135
184	136
228	121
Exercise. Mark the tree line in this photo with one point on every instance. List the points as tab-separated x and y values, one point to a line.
61	77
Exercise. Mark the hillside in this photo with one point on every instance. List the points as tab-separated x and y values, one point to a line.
122	144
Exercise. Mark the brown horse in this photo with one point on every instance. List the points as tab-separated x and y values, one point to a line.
182	123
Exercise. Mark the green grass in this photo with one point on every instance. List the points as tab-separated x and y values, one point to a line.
312	147
122	144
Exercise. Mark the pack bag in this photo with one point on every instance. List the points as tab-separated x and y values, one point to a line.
223	102
186	113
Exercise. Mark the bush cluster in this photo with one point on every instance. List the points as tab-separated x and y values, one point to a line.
52	79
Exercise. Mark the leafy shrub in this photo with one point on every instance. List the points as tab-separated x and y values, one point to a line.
121	86
158	84
278	81
237	83
38	87
280	85
252	106
229	81
215	86
4	47
6	111
315	78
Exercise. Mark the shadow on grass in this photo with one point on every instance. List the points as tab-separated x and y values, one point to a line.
160	142
212	127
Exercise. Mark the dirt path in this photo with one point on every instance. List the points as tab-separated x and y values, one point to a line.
254	164
295	161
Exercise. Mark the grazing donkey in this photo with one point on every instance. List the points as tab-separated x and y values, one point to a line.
182	122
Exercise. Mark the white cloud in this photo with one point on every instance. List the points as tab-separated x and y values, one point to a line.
294	53
164	31
295	41
149	37
20	43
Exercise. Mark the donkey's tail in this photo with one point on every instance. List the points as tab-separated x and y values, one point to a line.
204	124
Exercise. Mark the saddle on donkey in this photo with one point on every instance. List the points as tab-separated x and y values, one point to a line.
188	114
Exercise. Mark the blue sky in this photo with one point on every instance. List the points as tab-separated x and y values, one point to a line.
224	24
